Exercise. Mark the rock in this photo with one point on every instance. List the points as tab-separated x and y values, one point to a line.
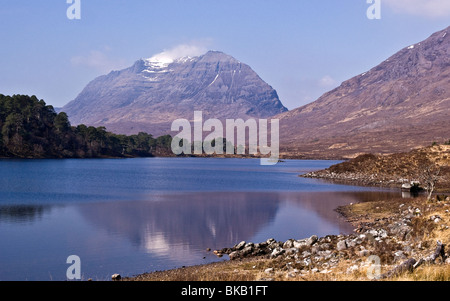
291	251
270	240
352	269
240	245
400	230
307	262
250	244
273	245
116	277
245	251
382	233
268	270
373	232
300	244
234	255
312	240
306	254
407	266
261	245
277	252
399	255
288	244
364	253
435	218
407	249
341	245
406	186
266	279
350	243
291	275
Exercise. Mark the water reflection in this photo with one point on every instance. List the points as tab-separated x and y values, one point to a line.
124	216
192	221
23	214
179	224
165	231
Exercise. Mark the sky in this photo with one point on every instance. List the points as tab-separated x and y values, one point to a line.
302	48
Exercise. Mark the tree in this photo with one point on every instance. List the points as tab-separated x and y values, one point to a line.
62	123
31	129
429	177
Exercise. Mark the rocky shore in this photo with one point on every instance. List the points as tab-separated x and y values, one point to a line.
392	239
358	178
393	170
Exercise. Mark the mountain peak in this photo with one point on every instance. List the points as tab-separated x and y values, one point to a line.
155	91
218	56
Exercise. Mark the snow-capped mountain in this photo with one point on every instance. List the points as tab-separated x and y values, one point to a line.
154	92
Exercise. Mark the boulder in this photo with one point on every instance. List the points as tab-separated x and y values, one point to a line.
288	244
240	245
234	255
246	251
341	245
364	253
291	251
277	252
300	244
312	240
270	240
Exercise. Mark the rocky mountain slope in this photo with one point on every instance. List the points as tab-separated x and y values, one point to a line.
401	104
154	92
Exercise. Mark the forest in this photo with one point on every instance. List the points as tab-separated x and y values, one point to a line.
32	129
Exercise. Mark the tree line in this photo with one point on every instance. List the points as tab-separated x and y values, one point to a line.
32	129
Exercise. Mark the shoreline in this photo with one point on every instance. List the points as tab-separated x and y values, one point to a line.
396	232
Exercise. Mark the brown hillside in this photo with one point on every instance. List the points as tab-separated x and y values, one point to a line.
401	104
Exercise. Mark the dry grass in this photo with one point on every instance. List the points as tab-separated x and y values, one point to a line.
427	273
221	271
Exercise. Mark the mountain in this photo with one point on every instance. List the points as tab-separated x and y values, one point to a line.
152	93
401	104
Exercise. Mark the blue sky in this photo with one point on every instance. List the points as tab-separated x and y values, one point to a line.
302	48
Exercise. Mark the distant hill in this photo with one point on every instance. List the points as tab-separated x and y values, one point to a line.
152	93
401	104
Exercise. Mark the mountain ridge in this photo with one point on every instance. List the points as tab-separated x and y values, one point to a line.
400	104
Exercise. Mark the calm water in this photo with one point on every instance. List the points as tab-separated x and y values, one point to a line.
139	215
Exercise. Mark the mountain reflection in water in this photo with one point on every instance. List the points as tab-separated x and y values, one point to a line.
177	224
